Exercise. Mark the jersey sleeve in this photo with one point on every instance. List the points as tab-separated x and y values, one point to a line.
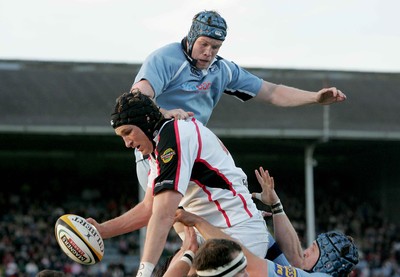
159	68
277	270
243	84
176	154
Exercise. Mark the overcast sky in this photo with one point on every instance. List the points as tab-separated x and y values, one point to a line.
355	35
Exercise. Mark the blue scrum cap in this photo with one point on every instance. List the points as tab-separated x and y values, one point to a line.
337	254
209	24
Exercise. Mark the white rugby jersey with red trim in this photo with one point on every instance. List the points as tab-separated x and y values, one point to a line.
190	158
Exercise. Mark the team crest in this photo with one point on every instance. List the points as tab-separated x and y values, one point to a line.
285	271
167	156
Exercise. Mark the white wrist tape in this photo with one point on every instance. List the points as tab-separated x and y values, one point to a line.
145	269
188	257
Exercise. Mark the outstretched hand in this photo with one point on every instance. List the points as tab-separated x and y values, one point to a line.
331	95
268	195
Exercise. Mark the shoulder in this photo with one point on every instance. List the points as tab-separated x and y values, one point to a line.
168	51
180	128
230	66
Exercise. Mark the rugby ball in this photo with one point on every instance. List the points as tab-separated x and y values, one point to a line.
79	239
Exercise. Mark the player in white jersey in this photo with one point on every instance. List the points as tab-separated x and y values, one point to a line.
189	78
190	168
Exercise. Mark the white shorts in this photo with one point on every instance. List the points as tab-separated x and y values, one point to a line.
253	234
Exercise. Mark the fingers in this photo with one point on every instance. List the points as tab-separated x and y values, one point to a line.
337	93
266	214
181	114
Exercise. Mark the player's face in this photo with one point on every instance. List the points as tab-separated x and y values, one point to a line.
311	255
204	51
134	137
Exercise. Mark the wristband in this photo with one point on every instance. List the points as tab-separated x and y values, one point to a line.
277	208
188	257
145	269
258	196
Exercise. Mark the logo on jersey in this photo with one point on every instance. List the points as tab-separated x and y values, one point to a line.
205	86
195	72
167	156
286	271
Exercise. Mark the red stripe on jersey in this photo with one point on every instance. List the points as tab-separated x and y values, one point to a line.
228	222
178	146
245	205
158	169
227	182
198	138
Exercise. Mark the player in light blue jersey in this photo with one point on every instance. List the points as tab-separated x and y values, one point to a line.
188	79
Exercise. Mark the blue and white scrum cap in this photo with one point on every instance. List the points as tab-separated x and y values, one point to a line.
135	108
209	24
337	254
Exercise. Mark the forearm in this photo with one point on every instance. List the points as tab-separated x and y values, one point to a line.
287	239
179	266
285	96
156	236
132	220
160	223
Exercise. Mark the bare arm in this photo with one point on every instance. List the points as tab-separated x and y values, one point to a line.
132	220
179	267
285	234
145	87
160	223
285	96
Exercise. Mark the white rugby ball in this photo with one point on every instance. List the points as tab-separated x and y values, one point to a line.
79	239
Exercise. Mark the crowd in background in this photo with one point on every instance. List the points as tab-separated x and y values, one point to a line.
28	245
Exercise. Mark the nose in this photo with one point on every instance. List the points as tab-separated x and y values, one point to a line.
128	142
207	51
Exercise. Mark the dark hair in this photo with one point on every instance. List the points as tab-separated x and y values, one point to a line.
214	253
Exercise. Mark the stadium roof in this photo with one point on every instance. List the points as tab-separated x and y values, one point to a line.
70	98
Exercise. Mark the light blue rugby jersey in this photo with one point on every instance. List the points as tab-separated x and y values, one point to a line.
178	84
277	270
